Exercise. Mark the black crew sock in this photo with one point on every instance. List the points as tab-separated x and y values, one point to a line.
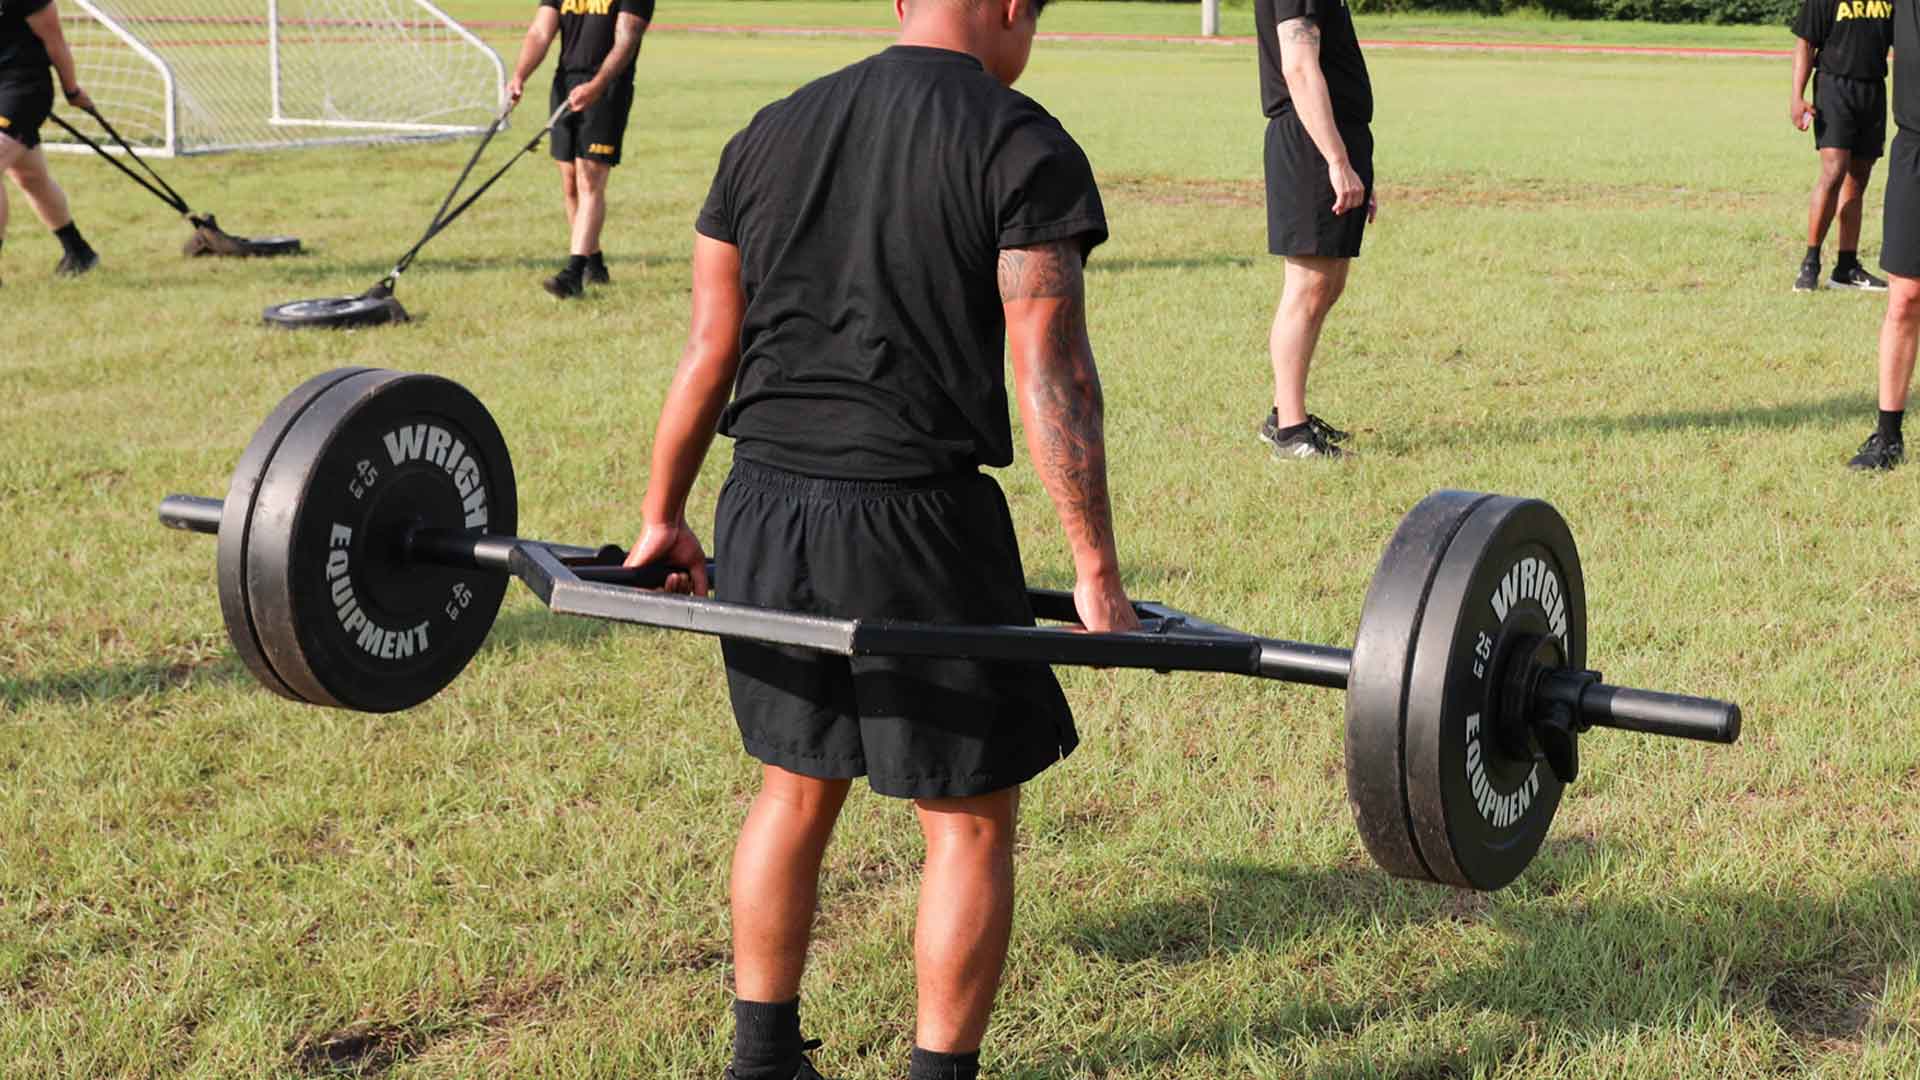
597	261
933	1065
70	239
1286	433
766	1035
1890	424
1846	260
576	265
1813	254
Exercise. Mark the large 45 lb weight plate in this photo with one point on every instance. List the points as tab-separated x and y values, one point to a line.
1441	779
342	615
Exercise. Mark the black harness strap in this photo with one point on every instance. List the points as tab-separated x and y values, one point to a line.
164	192
443	217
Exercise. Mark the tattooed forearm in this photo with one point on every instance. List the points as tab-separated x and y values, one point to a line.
1031	273
1300	32
1060	394
627	32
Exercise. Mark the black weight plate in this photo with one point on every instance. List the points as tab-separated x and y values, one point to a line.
268	246
1479	810
236	513
335	313
344	618
1377	689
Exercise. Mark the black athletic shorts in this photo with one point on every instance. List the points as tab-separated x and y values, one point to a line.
595	134
1850	114
1300	219
1900	227
939	550
23	108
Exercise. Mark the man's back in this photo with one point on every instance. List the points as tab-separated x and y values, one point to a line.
870	208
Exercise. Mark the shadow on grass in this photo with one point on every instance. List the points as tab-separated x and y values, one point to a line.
343	273
120	682
1853	411
1811	962
1124	266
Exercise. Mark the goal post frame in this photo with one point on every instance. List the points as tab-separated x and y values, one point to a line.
272	112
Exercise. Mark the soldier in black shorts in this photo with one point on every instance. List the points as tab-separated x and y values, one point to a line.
599	41
1318	100
1845	41
1899	250
30	44
872	250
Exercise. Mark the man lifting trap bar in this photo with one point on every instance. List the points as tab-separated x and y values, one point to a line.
869	248
599	43
30	44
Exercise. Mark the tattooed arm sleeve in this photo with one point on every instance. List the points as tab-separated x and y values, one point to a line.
1043	292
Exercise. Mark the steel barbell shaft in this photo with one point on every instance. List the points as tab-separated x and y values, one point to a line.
1597	704
441	547
192	513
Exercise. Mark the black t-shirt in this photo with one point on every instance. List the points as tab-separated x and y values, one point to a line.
1906	66
1849	37
586	32
1348	86
23	56
870	209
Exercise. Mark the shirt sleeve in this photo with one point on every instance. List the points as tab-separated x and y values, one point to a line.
642	8
1806	26
554	4
716	215
1284	10
1043	188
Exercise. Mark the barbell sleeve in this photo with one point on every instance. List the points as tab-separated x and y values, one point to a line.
192	513
1650	711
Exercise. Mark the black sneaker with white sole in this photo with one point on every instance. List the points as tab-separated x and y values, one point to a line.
75	263
1855	277
1809	278
1314	439
1879	454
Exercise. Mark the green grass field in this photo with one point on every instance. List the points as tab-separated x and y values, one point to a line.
1577	289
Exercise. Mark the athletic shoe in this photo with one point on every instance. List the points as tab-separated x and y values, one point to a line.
1809	278
597	271
1878	454
807	1071
1856	277
564	285
1301	445
1270	428
72	265
1328	431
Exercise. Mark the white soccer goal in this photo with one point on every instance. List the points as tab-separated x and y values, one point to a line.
201	76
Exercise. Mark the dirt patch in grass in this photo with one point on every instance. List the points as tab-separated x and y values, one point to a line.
1815	1004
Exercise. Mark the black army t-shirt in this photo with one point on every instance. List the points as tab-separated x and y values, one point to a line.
23	57
1906	67
1348	87
1849	36
586	31
870	209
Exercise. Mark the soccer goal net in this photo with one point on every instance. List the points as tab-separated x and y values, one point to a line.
200	76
